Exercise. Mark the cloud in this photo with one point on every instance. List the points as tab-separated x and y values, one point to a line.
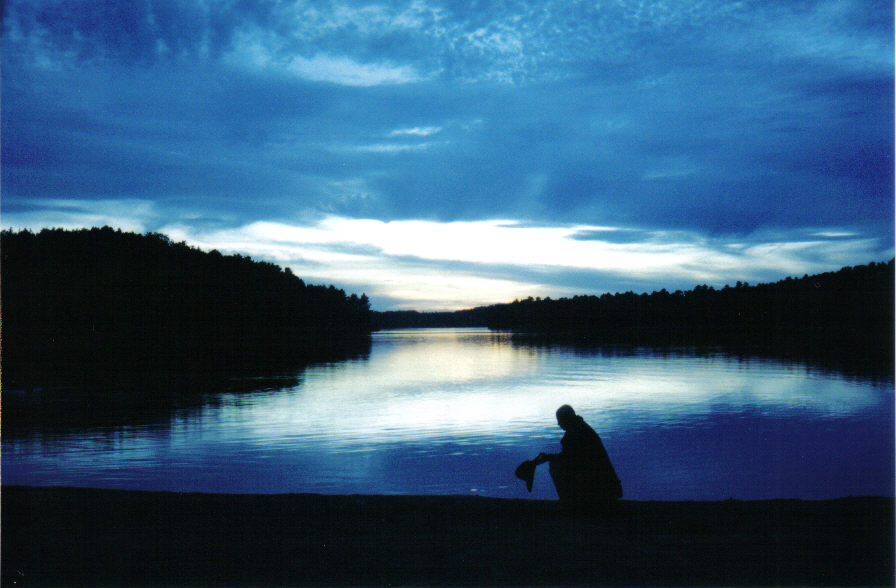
424	264
391	147
460	264
415	131
363	45
819	34
127	214
265	52
635	144
342	70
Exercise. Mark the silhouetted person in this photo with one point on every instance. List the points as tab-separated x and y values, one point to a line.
583	475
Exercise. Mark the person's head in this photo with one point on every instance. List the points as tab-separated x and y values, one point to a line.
565	416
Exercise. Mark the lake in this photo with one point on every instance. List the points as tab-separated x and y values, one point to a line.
453	411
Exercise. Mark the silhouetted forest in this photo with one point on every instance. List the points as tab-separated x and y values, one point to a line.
91	300
845	317
412	319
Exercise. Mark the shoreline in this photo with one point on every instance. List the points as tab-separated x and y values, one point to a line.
62	536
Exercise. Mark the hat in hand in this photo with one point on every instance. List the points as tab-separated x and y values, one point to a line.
526	472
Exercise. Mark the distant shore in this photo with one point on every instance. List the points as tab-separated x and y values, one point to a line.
86	537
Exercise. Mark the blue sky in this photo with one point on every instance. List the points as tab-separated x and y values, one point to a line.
442	155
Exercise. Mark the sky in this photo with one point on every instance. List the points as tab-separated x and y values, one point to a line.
438	155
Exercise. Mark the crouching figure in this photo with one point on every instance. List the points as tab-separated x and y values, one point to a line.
582	472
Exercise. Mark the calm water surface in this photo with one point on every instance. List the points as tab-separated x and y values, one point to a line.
453	411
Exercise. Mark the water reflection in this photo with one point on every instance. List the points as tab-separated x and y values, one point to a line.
124	399
453	411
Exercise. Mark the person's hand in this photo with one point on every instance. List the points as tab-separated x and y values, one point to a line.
542	457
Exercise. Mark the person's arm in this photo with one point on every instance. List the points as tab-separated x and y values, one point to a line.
543	457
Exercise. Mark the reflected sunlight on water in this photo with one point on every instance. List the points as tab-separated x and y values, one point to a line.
454	410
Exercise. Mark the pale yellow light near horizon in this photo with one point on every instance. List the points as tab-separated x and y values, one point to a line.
432	265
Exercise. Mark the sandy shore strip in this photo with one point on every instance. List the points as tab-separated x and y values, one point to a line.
87	537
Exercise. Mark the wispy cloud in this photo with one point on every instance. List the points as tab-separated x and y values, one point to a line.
346	71
134	215
633	144
391	147
819	34
415	131
265	52
426	264
437	265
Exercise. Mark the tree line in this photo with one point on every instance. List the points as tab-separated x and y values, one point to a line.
98	299
413	319
93	299
845	315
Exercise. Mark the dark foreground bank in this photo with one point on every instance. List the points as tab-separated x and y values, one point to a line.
83	537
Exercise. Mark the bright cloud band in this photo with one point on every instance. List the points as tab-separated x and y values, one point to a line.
423	264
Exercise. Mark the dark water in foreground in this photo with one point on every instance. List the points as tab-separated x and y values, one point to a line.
453	411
